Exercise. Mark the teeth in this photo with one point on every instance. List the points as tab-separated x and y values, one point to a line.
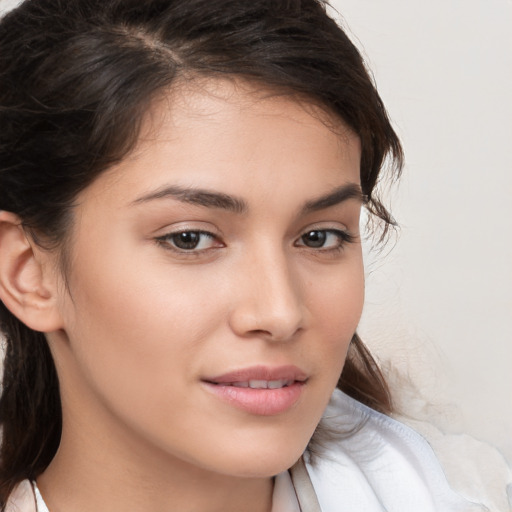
276	384
258	384
261	384
240	384
268	384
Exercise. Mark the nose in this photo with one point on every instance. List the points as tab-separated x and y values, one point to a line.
268	299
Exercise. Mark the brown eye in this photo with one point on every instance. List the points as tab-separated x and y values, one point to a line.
326	239
189	240
314	238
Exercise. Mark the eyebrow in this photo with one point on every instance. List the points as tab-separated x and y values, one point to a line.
337	196
213	199
201	197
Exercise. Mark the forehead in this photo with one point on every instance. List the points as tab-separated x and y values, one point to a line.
235	136
226	103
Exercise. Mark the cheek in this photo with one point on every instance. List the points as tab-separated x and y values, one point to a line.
335	297
137	346
139	317
335	305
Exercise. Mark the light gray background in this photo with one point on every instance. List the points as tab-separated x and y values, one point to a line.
442	299
439	305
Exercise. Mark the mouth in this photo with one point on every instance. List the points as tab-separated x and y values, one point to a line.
260	377
259	390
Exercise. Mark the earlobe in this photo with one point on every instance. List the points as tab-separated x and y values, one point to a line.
26	289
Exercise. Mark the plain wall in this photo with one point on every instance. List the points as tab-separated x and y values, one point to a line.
439	305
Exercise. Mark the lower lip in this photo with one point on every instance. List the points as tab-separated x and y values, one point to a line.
263	402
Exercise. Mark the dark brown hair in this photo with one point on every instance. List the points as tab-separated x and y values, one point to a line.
76	77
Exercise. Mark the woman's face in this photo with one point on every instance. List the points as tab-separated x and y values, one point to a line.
223	255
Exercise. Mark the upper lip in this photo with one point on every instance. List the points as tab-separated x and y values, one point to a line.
261	372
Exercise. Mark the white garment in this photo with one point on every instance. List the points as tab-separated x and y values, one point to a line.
376	465
381	466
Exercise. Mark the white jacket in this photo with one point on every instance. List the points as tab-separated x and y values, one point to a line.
377	465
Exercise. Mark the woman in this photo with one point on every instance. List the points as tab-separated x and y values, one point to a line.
181	274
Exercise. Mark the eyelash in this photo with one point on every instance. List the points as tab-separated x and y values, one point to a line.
169	241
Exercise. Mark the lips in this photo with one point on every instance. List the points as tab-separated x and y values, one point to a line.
259	390
260	374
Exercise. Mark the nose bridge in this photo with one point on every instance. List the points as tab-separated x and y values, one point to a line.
271	301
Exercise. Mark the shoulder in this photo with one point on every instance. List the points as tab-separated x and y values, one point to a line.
368	461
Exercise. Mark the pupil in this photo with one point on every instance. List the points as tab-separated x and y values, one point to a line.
187	240
314	238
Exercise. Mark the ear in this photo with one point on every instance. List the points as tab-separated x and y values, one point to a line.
28	285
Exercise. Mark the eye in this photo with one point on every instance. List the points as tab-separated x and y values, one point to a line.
189	241
326	239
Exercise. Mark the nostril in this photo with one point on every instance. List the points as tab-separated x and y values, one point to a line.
278	333
260	332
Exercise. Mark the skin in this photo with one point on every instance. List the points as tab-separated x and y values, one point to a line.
141	322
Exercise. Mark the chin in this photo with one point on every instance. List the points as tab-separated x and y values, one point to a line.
266	461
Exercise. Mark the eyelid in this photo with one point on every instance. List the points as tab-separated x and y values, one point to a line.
187	225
